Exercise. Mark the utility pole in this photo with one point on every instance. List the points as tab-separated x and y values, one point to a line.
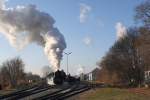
67	54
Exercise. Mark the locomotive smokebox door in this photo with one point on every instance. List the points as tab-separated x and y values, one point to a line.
59	77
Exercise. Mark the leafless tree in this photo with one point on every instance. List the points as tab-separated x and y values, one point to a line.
143	13
12	71
123	63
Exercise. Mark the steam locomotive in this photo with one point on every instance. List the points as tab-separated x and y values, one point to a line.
60	77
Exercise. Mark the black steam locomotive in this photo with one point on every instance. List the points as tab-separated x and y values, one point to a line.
60	77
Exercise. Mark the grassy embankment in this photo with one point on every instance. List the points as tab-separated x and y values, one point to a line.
112	94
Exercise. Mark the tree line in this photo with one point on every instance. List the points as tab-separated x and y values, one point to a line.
13	75
125	62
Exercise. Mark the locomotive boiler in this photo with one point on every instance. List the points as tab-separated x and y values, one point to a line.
60	77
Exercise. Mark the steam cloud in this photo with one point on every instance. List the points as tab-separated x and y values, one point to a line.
84	11
87	41
80	70
121	30
23	25
2	4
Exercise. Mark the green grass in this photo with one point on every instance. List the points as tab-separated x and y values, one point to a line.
113	94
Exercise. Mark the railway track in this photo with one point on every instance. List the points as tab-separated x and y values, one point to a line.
46	93
18	92
64	93
23	93
71	93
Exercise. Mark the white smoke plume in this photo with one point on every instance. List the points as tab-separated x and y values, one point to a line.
87	41
2	4
23	25
84	11
46	70
121	30
80	70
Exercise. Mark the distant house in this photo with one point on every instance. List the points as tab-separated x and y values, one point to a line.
92	76
147	76
82	76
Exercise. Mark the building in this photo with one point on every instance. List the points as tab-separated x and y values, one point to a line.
147	76
93	75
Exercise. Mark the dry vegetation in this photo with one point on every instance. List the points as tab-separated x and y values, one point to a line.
125	62
112	94
12	75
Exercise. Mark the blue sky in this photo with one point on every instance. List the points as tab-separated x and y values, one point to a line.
88	41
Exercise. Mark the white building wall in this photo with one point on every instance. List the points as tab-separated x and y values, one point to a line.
147	75
90	77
